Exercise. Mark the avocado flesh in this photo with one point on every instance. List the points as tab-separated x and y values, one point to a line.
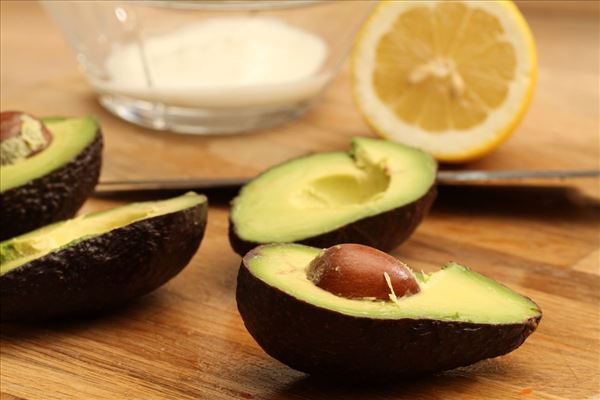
453	294
69	137
320	193
25	248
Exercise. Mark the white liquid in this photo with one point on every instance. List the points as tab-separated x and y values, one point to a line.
221	63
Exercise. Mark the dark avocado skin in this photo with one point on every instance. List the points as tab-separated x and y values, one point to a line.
52	197
384	231
104	271
327	343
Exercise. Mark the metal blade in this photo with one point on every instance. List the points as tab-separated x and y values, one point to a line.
467	177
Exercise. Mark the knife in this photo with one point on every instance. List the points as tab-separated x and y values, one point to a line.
459	177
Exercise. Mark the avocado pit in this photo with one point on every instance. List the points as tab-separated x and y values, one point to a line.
356	271
21	136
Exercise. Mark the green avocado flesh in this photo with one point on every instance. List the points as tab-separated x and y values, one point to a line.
69	137
22	249
315	194
454	293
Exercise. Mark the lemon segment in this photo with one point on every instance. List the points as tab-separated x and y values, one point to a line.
453	78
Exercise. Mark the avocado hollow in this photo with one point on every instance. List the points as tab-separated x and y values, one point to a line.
384	231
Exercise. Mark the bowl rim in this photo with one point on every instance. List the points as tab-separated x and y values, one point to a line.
233	5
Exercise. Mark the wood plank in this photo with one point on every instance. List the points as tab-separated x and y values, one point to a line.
187	340
589	264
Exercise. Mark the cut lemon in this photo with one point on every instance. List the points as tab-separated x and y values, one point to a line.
453	78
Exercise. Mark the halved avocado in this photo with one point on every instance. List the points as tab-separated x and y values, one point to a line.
376	194
52	184
458	318
98	261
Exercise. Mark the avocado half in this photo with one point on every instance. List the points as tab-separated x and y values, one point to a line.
53	184
458	318
376	194
100	260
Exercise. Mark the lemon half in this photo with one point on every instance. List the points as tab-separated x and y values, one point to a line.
453	78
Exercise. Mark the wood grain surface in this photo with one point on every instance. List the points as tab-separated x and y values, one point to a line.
187	341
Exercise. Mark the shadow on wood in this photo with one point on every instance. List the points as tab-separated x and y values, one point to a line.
457	380
534	202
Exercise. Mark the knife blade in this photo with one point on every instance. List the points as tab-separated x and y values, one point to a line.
446	177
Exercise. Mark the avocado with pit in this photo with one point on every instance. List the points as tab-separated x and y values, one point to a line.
375	194
49	167
98	261
308	310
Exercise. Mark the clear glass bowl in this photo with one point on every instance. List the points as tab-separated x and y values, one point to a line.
208	67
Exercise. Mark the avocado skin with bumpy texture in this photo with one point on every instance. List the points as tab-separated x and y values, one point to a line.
52	197
326	343
383	231
104	271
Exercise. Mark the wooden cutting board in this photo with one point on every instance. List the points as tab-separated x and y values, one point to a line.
186	340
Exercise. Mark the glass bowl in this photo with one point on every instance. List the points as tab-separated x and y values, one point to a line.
209	67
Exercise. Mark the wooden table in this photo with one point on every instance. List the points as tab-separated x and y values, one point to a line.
186	340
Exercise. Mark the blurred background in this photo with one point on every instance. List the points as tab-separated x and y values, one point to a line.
39	73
